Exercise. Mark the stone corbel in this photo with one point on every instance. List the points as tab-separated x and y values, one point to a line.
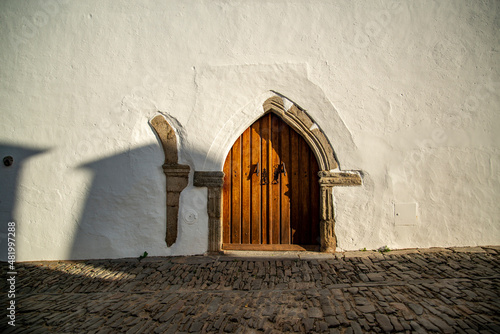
328	180
214	182
340	179
177	175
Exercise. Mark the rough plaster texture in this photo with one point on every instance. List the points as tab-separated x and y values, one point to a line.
406	91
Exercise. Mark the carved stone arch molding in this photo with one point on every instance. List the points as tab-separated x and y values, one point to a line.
304	125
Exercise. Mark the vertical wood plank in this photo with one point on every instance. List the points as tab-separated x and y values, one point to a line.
314	203
285	182
265	136
245	187
294	183
275	210
304	192
236	192
226	201
255	143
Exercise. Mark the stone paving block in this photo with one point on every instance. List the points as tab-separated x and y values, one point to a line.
395	252
161	328
495	328
356	328
443	326
368	308
268	311
364	277
354	254
342	319
417	328
173	328
332	321
375	277
428	325
196	327
104	331
359	300
438	250
384	322
494	250
328	310
370	318
308	324
351	315
395	323
315	256
418	309
406	325
468	249
321	326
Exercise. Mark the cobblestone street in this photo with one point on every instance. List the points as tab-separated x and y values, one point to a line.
425	290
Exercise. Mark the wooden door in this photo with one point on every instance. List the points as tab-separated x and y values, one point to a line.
271	191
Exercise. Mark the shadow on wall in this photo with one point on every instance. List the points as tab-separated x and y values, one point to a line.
123	205
9	176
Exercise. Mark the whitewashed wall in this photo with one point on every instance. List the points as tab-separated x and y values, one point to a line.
406	91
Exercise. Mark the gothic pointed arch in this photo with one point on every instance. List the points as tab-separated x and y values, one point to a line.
329	176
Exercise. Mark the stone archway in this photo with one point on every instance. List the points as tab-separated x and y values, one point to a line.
303	124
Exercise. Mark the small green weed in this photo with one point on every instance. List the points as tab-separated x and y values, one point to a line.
143	256
384	249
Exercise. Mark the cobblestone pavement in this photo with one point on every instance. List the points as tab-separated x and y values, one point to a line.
426	290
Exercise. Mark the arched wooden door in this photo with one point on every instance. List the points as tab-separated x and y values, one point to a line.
271	193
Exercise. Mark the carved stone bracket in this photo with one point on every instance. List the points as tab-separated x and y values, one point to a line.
177	175
340	179
214	182
208	179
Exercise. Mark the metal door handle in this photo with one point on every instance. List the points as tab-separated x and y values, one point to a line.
257	168
264	179
283	168
277	172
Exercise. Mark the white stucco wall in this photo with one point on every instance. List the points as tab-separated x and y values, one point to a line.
406	91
